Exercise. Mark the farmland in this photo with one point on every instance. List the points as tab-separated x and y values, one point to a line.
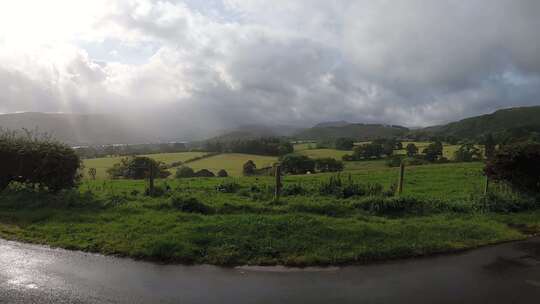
195	222
232	162
102	164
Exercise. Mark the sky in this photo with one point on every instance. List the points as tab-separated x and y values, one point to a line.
222	63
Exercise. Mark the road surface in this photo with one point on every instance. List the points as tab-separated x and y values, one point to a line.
507	273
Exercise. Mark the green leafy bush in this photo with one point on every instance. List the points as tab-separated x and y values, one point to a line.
190	204
228	187
37	160
184	172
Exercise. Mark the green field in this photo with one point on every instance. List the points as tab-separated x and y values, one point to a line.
232	162
440	210
102	164
322	153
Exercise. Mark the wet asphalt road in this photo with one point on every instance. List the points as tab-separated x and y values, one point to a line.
507	273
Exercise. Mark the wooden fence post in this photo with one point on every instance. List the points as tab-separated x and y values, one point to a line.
401	177
151	181
486	186
278	181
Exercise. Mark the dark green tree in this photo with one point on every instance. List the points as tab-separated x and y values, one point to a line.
344	143
468	152
433	152
489	146
518	165
184	172
412	150
297	164
249	168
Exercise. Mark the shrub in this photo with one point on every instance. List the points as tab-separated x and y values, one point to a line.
394	161
228	187
336	187
518	165
249	168
293	189
204	173
222	173
37	160
189	204
184	172
504	202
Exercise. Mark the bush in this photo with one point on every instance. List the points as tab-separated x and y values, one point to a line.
184	172
518	165
249	168
336	187
396	206
37	160
189	204
222	173
293	189
505	202
228	187
204	173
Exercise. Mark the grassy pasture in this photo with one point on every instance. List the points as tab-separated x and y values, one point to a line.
102	164
322	153
247	227
231	162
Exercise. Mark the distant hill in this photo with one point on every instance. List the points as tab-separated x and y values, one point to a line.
357	131
256	131
77	129
497	122
340	123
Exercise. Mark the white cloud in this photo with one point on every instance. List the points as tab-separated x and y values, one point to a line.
244	61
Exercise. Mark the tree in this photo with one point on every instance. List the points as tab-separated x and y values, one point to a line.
388	148
368	151
412	150
297	164
249	168
92	172
489	146
285	148
433	152
344	143
139	167
328	164
468	152
184	172
518	165
222	173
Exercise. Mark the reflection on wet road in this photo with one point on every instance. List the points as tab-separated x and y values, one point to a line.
507	273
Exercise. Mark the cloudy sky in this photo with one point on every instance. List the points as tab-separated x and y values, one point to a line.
228	62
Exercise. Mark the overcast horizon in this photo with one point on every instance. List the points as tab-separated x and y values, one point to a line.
235	62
